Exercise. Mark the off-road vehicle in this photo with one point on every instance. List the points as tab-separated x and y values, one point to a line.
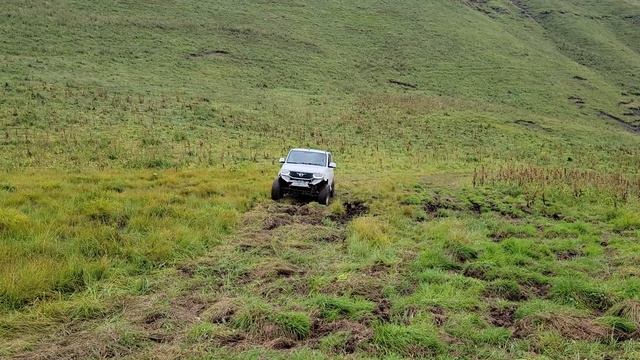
305	172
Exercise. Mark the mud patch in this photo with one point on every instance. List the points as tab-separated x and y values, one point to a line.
568	254
351	209
310	214
357	333
476	271
503	317
276	216
154	318
433	205
153	324
439	315
186	270
355	208
383	310
284	214
536	290
276	221
377	269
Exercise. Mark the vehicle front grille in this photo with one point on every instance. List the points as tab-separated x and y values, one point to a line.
300	175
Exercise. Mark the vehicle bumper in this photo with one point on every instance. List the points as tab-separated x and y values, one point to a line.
303	187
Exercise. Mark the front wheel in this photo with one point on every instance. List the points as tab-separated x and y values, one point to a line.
325	195
276	190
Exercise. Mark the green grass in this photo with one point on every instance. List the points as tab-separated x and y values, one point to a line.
116	98
490	149
407	340
61	236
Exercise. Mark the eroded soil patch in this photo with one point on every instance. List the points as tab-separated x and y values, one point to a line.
568	254
619	121
357	333
403	84
578	101
208	54
531	125
502	316
571	327
351	209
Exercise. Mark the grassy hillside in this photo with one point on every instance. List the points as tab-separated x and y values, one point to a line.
90	84
488	184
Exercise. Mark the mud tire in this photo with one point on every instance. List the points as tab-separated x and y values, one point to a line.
325	195
276	190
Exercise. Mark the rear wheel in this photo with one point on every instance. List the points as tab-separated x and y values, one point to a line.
276	190
325	195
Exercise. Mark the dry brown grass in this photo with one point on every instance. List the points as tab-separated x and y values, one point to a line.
621	185
569	326
628	309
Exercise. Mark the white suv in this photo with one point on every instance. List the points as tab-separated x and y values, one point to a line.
307	172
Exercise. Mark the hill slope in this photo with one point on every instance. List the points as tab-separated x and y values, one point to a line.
487	195
268	75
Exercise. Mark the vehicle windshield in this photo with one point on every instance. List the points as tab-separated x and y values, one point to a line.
307	158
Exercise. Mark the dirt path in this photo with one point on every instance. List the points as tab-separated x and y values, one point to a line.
253	263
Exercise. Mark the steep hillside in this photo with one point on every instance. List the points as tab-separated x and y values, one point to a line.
158	78
488	184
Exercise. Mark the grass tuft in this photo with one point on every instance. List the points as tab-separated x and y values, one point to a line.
628	309
333	308
578	292
626	220
294	324
12	221
413	340
370	231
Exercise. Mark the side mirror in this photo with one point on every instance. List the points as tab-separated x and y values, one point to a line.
332	165
281	160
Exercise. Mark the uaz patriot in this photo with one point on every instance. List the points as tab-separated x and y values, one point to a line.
306	172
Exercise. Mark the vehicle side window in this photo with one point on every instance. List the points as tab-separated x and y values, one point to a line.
329	160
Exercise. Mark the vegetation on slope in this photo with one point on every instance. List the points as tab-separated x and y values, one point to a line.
161	85
487	196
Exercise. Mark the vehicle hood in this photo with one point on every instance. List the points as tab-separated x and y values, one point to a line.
304	168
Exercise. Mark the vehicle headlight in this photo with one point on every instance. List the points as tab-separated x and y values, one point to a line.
318	176
285	172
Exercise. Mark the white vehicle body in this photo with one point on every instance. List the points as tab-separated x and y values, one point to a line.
306	171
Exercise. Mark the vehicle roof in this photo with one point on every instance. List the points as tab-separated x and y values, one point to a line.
310	150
